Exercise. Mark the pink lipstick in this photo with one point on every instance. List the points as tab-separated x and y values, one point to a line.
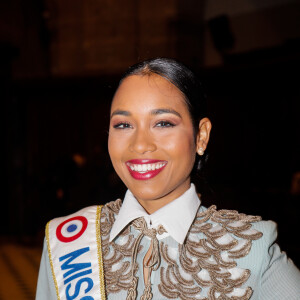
143	169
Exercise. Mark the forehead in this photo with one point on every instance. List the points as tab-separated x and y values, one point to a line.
142	91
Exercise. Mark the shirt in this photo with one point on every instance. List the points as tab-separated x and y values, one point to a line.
176	217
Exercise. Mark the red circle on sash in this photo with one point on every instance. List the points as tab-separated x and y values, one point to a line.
65	239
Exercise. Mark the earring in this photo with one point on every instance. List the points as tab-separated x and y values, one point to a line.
200	151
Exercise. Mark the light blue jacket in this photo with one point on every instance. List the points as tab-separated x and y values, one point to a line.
273	275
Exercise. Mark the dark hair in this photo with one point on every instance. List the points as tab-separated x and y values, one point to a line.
184	79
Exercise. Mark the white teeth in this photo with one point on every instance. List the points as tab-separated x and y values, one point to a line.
143	168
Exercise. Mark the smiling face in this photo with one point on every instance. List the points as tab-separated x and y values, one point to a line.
151	140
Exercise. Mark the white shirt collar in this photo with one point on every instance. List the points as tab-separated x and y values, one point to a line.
176	217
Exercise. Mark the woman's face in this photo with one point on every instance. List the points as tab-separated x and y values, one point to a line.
151	140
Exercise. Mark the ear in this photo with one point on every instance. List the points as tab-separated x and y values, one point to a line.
203	135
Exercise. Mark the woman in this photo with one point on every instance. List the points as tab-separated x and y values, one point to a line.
161	243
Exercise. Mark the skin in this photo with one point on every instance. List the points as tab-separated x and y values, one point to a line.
137	133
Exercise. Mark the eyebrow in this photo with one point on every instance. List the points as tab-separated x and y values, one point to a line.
160	111
157	111
120	112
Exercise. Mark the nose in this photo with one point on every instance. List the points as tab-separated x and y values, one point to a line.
142	142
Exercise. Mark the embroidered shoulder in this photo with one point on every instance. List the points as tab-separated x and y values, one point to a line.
116	266
108	217
207	258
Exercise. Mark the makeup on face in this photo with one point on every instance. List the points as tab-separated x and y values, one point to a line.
144	169
151	139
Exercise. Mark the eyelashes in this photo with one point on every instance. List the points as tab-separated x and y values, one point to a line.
122	125
160	124
164	124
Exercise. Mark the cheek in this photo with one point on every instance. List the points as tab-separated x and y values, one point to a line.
113	149
181	146
117	146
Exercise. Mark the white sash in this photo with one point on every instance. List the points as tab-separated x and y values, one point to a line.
74	249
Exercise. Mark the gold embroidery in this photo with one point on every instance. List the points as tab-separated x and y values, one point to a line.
50	259
225	236
173	290
116	268
152	264
147	295
205	264
131	295
99	252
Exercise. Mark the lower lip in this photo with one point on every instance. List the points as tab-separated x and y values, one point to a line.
146	175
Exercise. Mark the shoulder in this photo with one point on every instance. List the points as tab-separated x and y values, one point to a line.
83	219
261	233
232	221
251	243
237	222
86	212
107	219
245	238
112	207
268	229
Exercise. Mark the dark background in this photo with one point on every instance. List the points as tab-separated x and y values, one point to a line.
60	62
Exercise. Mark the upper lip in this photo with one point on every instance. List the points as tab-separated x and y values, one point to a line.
144	161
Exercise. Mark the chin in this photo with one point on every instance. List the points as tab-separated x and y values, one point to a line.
146	193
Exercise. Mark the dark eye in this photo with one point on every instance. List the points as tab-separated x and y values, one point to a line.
122	126
164	124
